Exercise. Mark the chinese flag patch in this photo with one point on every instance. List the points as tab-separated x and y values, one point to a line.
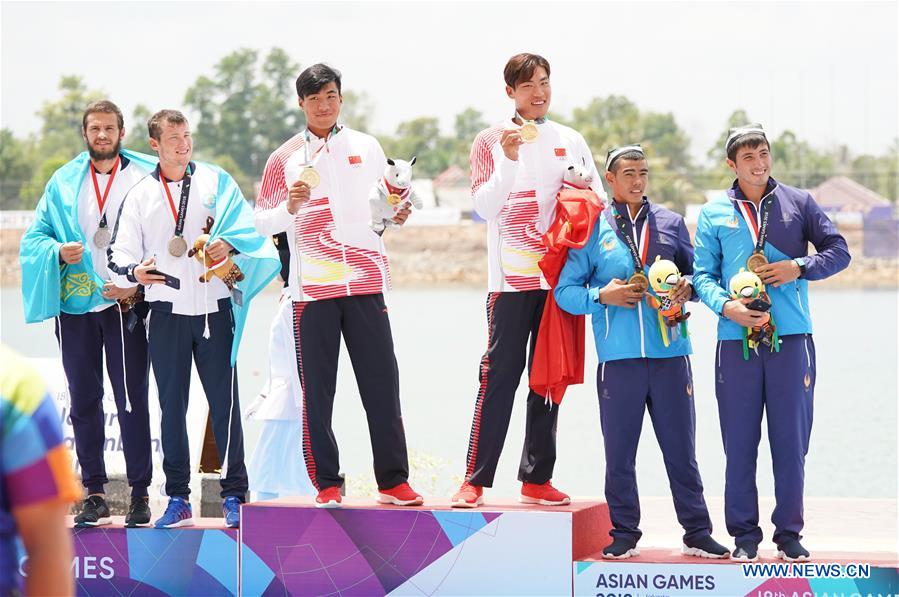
560	152
355	159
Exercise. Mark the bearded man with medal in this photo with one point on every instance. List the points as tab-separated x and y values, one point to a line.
638	369
192	319
65	276
764	226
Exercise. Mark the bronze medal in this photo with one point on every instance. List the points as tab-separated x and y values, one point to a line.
177	246
102	237
640	280
310	176
528	132
755	261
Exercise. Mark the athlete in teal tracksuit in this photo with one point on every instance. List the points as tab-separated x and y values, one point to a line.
779	221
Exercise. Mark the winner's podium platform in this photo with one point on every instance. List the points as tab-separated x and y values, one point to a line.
502	548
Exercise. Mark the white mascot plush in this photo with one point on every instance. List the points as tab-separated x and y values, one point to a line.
393	192
577	177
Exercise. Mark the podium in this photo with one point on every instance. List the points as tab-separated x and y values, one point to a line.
502	548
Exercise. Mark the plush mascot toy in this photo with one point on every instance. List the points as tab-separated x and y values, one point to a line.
225	269
390	194
746	284
577	177
663	277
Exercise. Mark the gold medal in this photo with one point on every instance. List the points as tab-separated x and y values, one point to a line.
177	246
528	132
640	280
102	237
394	199
755	261
309	175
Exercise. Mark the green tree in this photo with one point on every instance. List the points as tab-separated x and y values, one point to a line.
16	168
880	174
356	110
420	137
61	119
246	110
136	133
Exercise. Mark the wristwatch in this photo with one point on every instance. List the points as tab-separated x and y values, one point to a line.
801	263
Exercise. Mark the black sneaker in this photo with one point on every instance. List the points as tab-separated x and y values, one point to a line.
791	550
94	513
705	547
745	552
138	512
620	549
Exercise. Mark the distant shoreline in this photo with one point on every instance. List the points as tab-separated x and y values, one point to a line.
456	256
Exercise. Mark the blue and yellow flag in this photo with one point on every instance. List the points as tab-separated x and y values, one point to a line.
49	288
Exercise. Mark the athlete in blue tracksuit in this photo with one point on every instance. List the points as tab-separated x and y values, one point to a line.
637	371
760	213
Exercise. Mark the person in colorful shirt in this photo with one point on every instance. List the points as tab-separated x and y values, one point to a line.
517	169
765	227
640	368
316	188
37	486
64	275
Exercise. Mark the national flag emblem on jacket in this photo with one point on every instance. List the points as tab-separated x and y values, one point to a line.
355	160
560	152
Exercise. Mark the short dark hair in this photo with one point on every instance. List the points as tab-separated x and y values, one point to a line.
749	135
315	77
627	155
154	125
104	106
521	67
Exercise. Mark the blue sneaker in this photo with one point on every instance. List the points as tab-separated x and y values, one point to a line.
177	514
231	511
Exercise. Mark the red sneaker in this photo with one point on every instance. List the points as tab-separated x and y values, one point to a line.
545	495
401	495
468	496
329	497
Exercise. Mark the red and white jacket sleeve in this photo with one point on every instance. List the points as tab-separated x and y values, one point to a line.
271	216
491	182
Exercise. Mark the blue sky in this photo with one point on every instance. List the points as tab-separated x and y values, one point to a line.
826	70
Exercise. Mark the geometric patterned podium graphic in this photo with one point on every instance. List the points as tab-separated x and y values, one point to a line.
290	547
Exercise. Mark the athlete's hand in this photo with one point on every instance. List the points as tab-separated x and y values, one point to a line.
736	311
620	293
510	142
402	215
116	293
71	253
297	195
218	250
141	273
681	292
779	272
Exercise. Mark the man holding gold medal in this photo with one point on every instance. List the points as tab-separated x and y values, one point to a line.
316	187
192	319
639	368
64	275
764	227
517	169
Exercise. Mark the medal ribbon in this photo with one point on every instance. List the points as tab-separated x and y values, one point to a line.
182	206
757	233
308	142
638	255
101	201
403	193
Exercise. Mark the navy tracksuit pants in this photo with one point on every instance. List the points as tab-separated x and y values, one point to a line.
363	322
664	387
513	320
781	384
174	340
83	339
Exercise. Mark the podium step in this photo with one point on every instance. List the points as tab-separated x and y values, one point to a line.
502	548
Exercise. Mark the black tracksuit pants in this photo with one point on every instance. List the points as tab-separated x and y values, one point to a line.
363	322
83	339
513	320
